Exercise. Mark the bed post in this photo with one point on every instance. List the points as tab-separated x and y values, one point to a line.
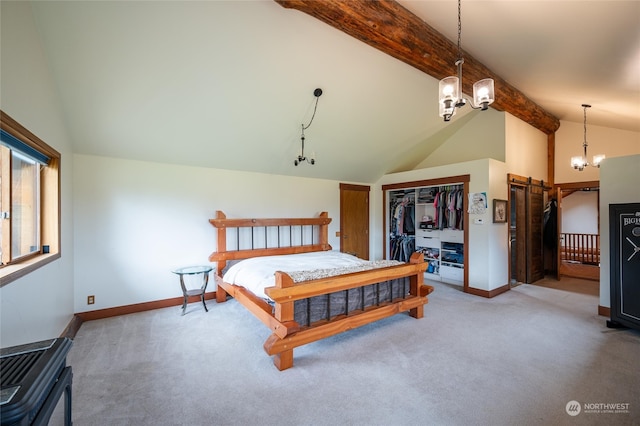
221	294
324	232
283	313
415	283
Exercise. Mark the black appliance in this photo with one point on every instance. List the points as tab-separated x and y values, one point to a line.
34	377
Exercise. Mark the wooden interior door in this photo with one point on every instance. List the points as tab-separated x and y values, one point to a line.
535	247
559	232
517	234
354	220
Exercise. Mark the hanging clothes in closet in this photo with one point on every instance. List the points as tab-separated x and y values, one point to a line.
402	247
403	228
448	204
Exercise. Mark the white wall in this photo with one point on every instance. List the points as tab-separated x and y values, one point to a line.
580	213
526	149
497	233
619	179
40	305
135	221
481	137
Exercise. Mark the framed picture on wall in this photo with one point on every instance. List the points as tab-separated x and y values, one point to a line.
499	211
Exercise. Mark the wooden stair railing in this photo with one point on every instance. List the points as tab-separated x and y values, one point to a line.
580	248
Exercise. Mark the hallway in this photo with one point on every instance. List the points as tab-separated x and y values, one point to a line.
574	285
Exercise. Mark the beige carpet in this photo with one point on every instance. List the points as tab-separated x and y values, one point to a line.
516	359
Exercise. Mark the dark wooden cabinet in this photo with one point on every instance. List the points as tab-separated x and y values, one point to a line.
624	240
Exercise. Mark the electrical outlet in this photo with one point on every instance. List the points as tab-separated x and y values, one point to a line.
91	300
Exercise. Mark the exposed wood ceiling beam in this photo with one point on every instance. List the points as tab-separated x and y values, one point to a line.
389	27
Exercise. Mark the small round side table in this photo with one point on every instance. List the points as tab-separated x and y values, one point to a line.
193	270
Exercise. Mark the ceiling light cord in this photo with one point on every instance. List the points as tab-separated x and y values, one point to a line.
450	94
314	109
459	31
584	144
580	162
461	100
301	157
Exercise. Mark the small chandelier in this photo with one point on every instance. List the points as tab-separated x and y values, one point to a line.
450	88
301	157
580	162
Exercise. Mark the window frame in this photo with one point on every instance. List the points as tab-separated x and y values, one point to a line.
50	217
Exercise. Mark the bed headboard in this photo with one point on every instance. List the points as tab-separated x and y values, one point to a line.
268	237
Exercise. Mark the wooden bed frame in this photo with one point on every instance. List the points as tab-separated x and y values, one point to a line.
287	334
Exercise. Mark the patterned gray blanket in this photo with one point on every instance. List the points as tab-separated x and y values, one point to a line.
300	276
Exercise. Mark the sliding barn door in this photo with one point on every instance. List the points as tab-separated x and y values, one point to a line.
526	231
535	249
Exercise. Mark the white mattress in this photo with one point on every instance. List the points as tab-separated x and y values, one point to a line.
257	273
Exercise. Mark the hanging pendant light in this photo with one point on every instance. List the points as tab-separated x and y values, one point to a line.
301	157
450	88
580	162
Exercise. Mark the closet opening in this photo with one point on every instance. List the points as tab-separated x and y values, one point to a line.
430	217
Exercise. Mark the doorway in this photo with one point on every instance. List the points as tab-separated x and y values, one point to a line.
354	220
579	230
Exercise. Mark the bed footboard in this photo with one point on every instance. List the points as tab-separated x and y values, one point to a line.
286	292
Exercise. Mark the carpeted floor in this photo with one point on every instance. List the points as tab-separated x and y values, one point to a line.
516	359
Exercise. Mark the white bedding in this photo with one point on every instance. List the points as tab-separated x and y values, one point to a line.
257	273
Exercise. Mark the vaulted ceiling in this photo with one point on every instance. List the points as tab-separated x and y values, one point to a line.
227	84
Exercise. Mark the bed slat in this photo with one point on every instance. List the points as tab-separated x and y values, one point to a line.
243	254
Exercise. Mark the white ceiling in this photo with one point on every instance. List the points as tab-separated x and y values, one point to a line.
227	84
561	54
